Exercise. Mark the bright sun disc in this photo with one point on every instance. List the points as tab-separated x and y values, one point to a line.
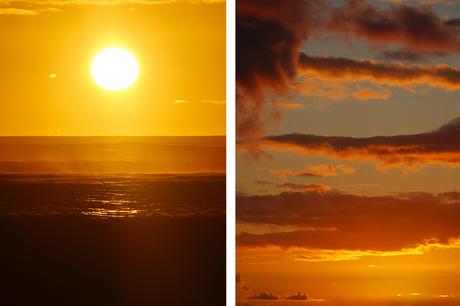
114	69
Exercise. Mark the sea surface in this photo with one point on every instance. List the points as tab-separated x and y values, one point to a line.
122	221
113	196
120	154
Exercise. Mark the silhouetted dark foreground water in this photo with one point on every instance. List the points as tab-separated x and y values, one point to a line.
112	240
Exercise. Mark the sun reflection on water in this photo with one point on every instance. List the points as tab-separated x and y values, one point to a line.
113	213
114	196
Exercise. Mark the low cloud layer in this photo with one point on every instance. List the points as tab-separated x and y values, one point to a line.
336	221
441	147
294	187
319	170
409	56
336	68
416	27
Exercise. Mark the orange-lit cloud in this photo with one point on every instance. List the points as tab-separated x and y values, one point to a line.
365	94
288	105
279	255
21	11
314	86
320	170
392	223
440	147
295	187
17	11
304	187
339	68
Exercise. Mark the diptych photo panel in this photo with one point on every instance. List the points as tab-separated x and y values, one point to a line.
347	137
112	153
229	152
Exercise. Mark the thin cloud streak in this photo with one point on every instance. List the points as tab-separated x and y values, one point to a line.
401	24
441	147
390	223
320	170
10	11
36	7
339	68
288	105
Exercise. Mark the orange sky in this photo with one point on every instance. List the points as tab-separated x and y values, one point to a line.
180	48
348	164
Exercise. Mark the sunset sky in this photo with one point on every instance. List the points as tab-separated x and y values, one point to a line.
348	149
46	55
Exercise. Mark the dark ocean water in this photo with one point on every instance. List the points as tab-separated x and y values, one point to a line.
113	196
129	240
76	229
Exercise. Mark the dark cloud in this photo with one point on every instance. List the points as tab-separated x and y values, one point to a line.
367	70
438	147
295	187
453	22
269	35
408	56
337	221
265	296
263	182
417	27
297	296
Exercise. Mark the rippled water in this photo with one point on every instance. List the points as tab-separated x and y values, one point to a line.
113	196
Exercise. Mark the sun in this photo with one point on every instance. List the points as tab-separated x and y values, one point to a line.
114	69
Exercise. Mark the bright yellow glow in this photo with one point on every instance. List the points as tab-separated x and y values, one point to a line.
115	69
168	71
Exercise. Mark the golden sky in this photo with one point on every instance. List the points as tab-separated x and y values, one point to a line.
47	50
348	151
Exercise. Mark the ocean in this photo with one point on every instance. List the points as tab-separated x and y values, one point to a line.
112	221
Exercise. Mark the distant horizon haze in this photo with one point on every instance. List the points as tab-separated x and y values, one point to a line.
117	154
